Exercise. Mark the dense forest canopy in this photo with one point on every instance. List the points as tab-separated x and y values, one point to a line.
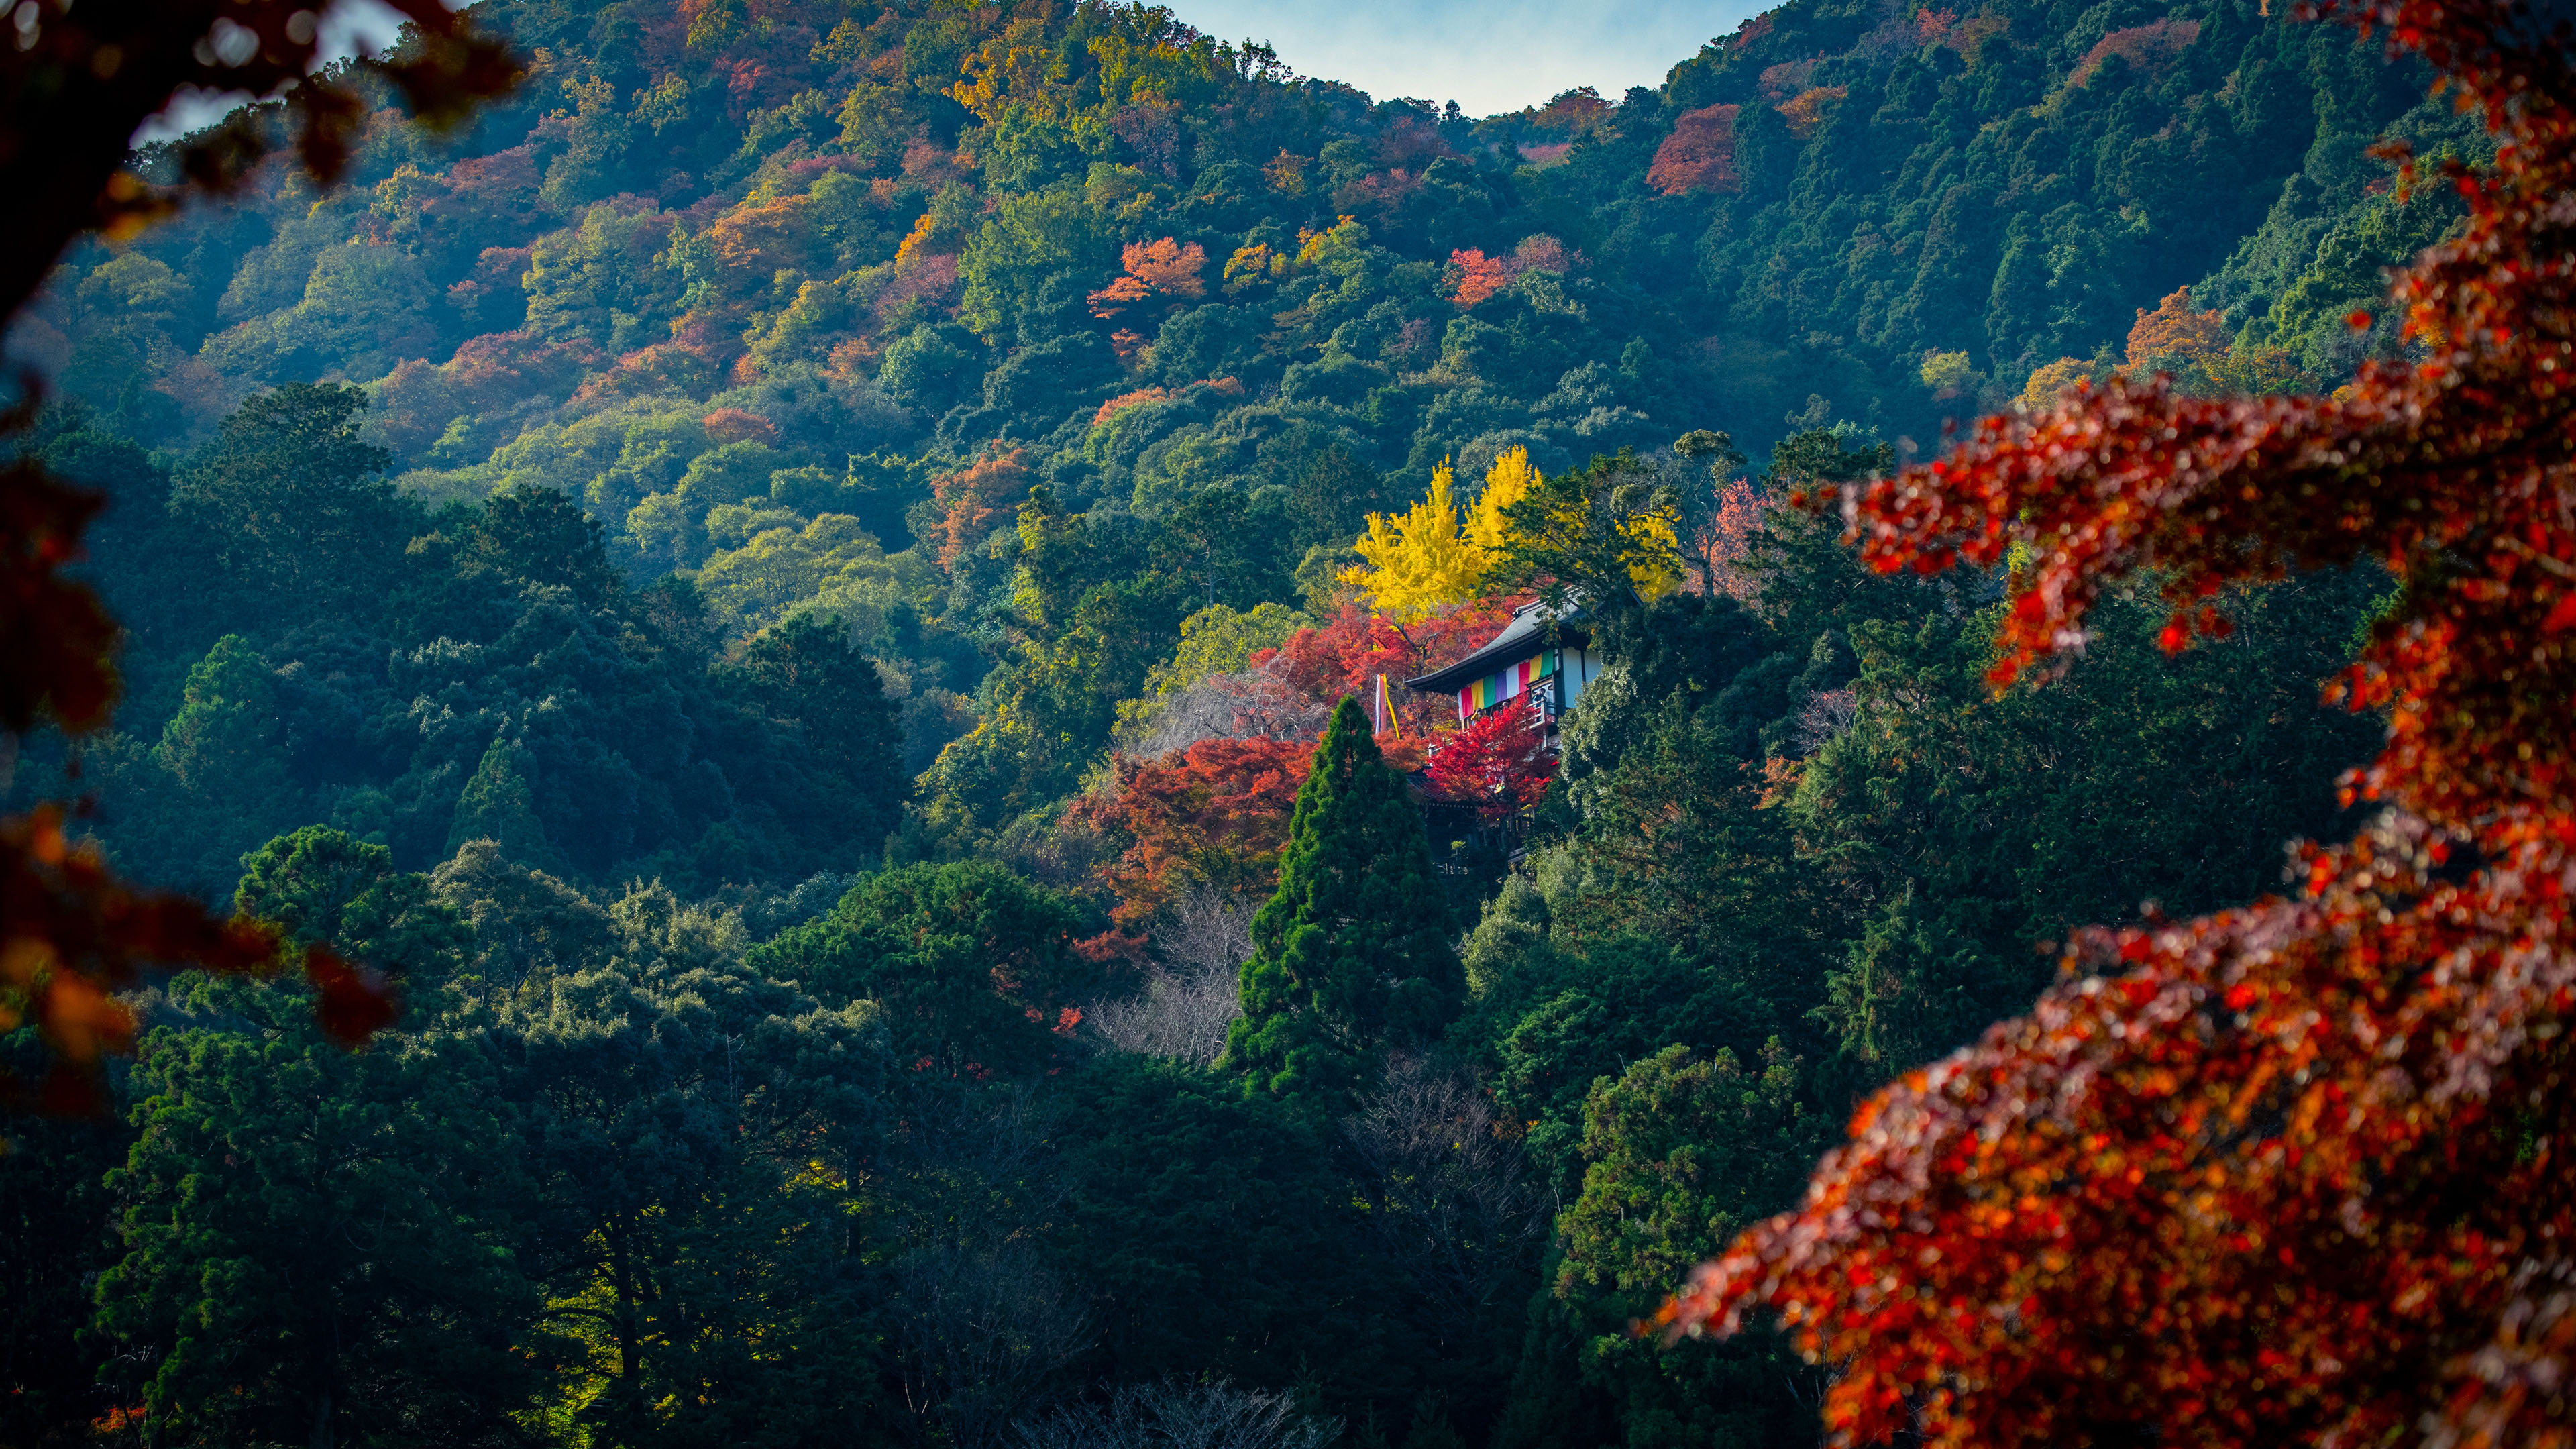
804	586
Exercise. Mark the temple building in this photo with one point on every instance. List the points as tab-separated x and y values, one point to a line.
1539	657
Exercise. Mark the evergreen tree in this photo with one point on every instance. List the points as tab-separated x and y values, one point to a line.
1682	1151
54	1199
324	885
498	805
217	783
317	1241
972	967
292	511
1352	954
847	784
222	745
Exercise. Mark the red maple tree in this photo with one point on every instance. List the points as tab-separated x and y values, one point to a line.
1497	762
1344	656
2290	1172
1216	812
1699	155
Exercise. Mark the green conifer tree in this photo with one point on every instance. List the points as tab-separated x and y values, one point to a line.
218	783
1352	954
223	741
498	805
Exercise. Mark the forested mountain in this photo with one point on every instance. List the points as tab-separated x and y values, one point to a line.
801	304
799	586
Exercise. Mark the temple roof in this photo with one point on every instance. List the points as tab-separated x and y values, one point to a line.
1525	635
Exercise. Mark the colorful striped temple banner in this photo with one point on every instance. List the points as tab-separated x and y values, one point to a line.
1493	689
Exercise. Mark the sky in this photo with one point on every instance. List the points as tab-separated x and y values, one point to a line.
1487	55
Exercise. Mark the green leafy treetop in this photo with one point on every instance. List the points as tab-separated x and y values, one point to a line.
1352	954
319	884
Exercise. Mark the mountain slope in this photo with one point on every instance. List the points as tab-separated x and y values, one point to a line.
802	299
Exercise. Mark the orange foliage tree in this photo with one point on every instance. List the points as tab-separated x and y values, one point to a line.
2289	1173
1699	155
2174	330
1216	813
1479	276
1720	549
1164	267
977	498
1126	400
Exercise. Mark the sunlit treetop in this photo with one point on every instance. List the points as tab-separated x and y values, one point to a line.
1417	561
1428	558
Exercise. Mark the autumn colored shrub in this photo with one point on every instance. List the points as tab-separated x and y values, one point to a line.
1161	267
2049	382
930	278
664	367
977	498
1168	268
1578	112
1806	113
733	425
1342	657
2174	330
1126	400
1785	79
2150	47
1699	155
1539	252
1497	762
1213	814
2289	1172
1720	551
1479	276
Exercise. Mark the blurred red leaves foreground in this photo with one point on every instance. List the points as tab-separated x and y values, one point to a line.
70	932
73	89
2290	1173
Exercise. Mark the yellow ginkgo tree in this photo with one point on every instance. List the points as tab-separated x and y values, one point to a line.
1429	558
1426	558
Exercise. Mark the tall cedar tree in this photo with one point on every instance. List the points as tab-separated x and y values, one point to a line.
2286	1174
1352	954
